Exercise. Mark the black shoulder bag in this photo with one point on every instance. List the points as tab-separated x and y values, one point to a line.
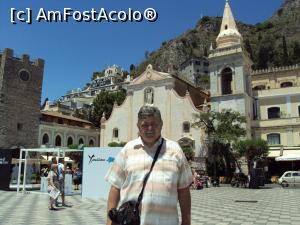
128	213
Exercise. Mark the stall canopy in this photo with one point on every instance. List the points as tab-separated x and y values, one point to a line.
58	152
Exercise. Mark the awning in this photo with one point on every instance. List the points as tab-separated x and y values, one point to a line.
67	159
273	153
288	157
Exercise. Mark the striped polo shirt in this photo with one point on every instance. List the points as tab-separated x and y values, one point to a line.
170	173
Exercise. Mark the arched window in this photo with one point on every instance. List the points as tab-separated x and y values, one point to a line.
226	80
273	139
91	143
45	139
70	141
115	133
80	141
186	127
286	84
149	96
273	112
259	87
58	141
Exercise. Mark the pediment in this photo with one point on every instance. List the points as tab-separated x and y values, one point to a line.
150	75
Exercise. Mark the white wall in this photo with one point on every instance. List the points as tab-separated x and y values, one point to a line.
93	183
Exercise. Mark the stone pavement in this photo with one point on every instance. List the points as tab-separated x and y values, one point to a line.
274	205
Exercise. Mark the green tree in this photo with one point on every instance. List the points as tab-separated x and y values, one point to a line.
222	128
266	53
252	149
296	52
98	74
204	81
226	126
132	67
188	152
104	102
205	51
249	48
115	144
83	113
285	54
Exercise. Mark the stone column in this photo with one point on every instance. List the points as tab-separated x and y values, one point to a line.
130	115
102	131
288	106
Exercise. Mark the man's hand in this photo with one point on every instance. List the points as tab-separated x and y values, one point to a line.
113	200
184	197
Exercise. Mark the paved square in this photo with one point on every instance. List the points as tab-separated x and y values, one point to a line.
222	205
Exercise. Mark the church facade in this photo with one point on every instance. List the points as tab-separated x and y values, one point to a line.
177	101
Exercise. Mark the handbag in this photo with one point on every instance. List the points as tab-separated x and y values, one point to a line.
128	213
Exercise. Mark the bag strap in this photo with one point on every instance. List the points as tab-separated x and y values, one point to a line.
148	174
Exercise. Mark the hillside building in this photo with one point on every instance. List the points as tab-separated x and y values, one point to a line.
193	70
83	98
58	130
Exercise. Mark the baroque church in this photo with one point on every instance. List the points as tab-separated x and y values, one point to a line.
177	100
269	99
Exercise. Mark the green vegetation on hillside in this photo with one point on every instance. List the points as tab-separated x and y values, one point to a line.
273	43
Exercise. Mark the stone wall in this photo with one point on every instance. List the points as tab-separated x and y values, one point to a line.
20	99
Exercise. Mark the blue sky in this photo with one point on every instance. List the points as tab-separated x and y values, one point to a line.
73	51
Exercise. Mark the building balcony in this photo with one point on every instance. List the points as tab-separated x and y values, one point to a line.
276	92
279	122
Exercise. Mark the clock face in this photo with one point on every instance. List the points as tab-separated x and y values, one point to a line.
24	75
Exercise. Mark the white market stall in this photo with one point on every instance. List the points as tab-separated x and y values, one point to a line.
96	162
58	152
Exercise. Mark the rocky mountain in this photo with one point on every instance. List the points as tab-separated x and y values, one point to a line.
275	42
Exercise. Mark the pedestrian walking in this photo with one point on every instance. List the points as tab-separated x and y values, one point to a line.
53	185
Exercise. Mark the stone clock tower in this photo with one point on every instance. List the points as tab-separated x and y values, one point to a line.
230	68
20	98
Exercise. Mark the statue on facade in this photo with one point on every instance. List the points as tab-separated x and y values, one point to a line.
149	96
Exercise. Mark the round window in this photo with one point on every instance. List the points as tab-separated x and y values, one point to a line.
24	75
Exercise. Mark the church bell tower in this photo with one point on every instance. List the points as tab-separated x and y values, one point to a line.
230	66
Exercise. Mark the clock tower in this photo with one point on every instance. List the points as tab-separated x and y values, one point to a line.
20	99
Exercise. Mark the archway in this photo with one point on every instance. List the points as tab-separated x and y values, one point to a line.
226	80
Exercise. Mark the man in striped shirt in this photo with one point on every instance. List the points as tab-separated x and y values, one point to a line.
168	183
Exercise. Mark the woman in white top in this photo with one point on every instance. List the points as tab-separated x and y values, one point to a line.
53	183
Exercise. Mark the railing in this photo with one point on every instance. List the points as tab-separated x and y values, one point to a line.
275	69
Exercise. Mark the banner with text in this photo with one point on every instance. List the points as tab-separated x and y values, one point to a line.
96	162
